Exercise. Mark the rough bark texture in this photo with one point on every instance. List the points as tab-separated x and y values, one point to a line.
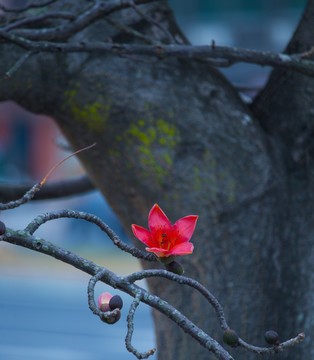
177	133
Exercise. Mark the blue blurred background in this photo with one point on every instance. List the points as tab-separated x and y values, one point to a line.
43	302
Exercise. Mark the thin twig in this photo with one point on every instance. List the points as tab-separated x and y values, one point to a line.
27	7
89	16
26	197
18	64
274	349
151	20
129	31
39	18
307	54
129	334
31	193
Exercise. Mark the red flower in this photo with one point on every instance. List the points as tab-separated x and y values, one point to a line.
163	239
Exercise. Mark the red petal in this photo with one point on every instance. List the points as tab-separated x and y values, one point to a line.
185	227
157	218
103	301
159	252
142	234
182	249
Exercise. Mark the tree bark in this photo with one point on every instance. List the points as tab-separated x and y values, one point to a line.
176	132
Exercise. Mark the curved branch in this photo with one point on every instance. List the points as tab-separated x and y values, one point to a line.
42	219
129	334
144	274
51	190
110	317
186	281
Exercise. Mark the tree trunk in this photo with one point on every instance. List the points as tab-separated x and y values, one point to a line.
176	133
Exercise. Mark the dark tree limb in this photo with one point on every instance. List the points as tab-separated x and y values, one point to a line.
53	190
292	62
89	16
31	5
37	19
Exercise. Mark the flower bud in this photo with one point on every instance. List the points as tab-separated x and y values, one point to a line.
272	337
175	267
103	301
230	337
2	228
115	302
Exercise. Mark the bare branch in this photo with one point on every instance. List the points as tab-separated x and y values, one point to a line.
128	30
129	334
42	219
27	7
307	54
151	20
57	189
18	64
39	18
26	197
292	62
274	349
62	32
186	281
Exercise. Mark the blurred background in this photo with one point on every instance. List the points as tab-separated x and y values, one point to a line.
43	302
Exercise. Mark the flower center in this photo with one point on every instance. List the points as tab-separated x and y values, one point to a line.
165	238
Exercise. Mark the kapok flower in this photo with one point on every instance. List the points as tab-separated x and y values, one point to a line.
164	239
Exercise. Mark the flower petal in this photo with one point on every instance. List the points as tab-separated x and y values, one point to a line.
185	227
182	249
157	218
159	252
142	234
103	301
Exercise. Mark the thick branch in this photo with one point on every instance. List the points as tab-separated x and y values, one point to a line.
79	185
293	62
